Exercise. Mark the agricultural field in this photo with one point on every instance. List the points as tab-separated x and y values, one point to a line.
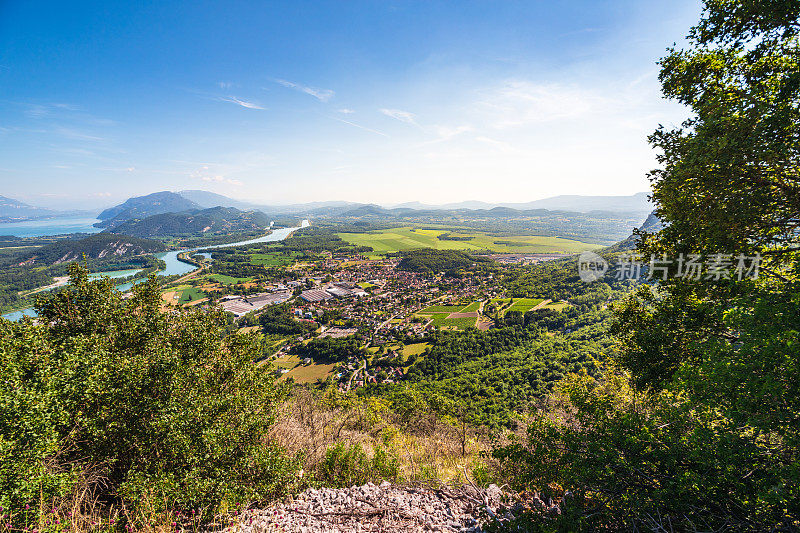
556	306
309	373
222	279
524	305
409	238
455	323
273	259
414	349
441	315
183	294
473	307
191	294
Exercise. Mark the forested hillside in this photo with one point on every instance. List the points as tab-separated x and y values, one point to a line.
99	246
211	221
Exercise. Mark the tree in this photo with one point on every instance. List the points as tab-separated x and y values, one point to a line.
696	426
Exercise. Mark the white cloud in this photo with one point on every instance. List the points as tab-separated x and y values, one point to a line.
399	114
323	95
346	111
243	103
204	173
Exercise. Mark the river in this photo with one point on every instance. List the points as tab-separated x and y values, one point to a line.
173	264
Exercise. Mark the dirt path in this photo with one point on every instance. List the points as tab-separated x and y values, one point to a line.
541	304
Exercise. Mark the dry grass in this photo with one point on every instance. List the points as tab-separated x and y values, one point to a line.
428	449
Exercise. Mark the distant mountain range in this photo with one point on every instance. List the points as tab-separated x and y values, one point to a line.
11	210
567	202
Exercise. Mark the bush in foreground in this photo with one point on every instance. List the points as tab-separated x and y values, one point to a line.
157	409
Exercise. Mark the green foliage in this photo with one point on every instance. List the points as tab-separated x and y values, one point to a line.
93	247
162	407
278	320
697	429
429	260
213	221
347	465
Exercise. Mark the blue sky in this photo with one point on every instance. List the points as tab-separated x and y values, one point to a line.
378	101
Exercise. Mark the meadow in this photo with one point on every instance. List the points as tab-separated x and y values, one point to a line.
409	238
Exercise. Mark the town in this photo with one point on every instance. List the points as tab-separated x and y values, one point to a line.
371	315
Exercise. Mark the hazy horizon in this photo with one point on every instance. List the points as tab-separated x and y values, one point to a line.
293	103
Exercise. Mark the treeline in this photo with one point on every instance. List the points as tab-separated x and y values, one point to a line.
428	260
314	239
559	280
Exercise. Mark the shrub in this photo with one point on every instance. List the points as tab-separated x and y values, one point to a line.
347	465
162	407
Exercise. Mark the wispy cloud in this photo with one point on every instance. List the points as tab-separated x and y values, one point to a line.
204	173
243	103
74	134
445	133
516	103
323	95
45	109
503	147
118	169
399	114
360	126
225	84
346	111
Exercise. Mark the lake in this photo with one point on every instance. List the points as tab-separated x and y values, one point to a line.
173	264
52	226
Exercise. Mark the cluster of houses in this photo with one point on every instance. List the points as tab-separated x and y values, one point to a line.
526	259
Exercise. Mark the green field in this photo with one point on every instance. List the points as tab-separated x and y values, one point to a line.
409	238
272	259
191	294
451	323
414	349
474	306
227	280
524	305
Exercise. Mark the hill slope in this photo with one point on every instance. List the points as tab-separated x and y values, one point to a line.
144	206
208	221
99	246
